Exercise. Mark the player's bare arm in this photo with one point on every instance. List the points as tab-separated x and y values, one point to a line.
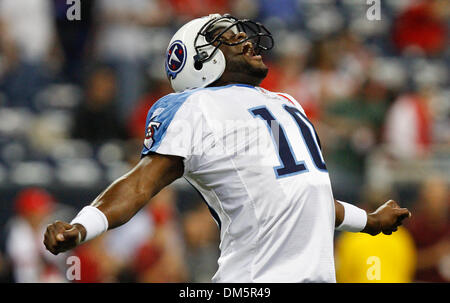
386	219
121	200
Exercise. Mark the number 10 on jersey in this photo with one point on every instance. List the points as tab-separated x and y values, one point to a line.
289	163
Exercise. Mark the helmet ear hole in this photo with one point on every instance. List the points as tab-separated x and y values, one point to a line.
198	65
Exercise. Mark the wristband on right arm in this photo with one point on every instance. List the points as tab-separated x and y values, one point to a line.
93	220
355	218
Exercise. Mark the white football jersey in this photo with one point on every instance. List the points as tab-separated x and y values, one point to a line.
256	160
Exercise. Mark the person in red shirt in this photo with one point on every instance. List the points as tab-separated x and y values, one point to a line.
430	228
421	25
30	262
408	128
139	113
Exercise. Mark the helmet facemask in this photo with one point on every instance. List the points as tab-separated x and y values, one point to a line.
213	30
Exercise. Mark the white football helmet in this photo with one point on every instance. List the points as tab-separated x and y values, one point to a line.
193	57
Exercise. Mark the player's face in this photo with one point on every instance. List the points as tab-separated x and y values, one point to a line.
242	58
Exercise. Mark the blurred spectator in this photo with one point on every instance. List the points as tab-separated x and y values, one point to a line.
96	120
286	11
73	37
353	129
421	27
190	9
362	258
123	241
160	258
355	58
430	228
123	40
201	238
136	122
408	129
322	78
6	269
27	35
96	263
244	9
24	245
286	74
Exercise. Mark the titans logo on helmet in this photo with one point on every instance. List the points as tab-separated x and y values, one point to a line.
176	58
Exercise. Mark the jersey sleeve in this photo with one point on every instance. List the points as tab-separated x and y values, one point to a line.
171	127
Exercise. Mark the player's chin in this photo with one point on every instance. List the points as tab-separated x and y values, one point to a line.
256	65
260	70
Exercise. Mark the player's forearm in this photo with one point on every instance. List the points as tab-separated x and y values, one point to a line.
123	199
385	219
128	194
117	204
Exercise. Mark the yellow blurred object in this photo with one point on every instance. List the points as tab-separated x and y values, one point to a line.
362	258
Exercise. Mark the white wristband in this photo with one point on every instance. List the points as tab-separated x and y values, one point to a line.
93	220
355	218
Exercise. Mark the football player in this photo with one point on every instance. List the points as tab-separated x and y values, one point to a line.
252	154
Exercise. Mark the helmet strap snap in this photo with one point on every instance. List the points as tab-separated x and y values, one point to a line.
198	65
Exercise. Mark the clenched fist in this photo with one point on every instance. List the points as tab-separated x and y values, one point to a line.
61	236
386	219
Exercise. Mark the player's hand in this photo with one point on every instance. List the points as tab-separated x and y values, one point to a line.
61	236
386	219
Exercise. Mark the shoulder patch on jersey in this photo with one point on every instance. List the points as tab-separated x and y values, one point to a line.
175	58
150	132
160	117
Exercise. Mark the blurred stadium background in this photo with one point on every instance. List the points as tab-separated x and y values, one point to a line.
74	96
